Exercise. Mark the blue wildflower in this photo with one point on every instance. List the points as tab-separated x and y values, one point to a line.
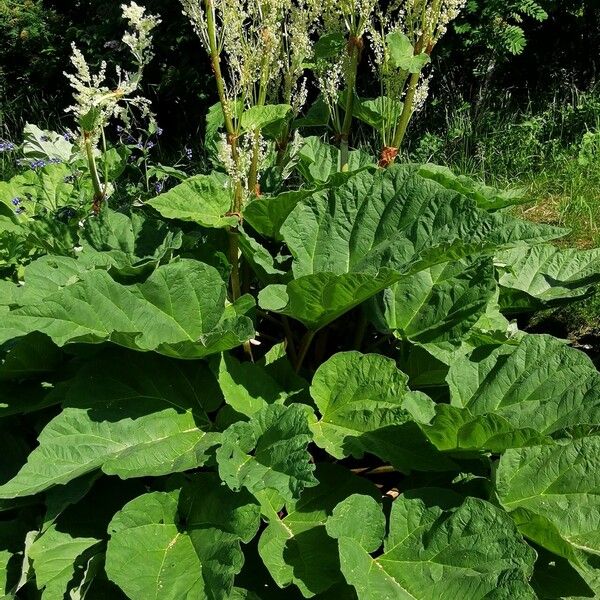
6	146
159	186
16	201
150	145
189	154
37	164
159	131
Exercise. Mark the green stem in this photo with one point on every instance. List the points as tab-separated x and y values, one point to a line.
289	335
105	161
303	350
262	98
91	159
407	111
238	196
354	51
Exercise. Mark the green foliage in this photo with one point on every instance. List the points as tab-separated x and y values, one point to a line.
120	359
309	387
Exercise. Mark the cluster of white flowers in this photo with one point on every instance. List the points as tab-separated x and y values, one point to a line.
139	35
96	102
238	169
422	92
423	23
263	42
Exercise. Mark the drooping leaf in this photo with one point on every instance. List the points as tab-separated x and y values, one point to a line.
45	145
380	113
250	387
544	275
514	395
438	304
258	117
128	414
402	53
178	311
320	161
487	197
296	549
202	199
134	244
551	492
12	545
437	548
29	358
366	406
269	452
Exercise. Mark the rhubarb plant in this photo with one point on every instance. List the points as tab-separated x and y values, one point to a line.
312	390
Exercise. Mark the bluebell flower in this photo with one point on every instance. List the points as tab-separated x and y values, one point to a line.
150	145
159	131
6	146
38	164
189	154
159	186
16	201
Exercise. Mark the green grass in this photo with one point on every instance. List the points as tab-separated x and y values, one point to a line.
552	152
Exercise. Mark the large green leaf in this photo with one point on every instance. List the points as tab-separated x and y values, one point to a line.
487	197
146	534
12	547
402	53
544	275
186	543
352	241
366	406
438	304
133	244
249	387
44	277
259	117
319	161
128	414
202	199
269	452
217	520
436	548
515	395
45	145
552	494
296	548
178	311
54	555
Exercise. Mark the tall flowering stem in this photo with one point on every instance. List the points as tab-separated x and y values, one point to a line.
355	46
232	137
403	38
96	103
